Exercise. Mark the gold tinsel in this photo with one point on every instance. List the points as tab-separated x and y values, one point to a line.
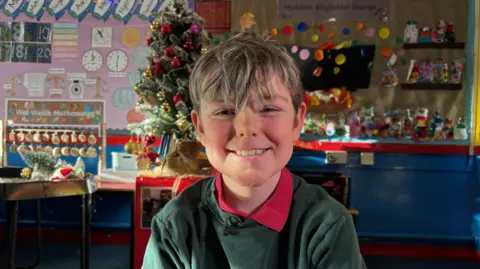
148	72
166	107
161	95
26	173
182	125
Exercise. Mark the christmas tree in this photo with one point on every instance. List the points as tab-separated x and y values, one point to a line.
177	41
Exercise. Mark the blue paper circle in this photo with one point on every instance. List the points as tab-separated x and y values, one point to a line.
122	98
302	27
346	31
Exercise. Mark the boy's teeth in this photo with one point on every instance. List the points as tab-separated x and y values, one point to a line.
251	152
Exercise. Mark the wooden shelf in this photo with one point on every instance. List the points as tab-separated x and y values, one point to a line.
431	86
445	45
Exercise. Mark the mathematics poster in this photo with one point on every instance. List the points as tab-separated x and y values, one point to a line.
57	112
349	10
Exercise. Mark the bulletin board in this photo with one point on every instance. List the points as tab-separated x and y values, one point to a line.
451	104
65	59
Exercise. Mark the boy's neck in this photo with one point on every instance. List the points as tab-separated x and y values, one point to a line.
245	198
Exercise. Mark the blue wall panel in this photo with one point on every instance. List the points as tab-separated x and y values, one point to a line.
407	196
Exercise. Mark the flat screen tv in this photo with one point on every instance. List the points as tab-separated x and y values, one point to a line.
355	72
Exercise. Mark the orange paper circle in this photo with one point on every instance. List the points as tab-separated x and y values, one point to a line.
331	34
319	55
360	26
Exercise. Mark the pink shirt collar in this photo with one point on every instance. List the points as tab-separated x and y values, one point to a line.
274	212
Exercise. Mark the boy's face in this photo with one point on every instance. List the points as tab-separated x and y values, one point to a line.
253	145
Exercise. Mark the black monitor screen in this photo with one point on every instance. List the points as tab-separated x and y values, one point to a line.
354	73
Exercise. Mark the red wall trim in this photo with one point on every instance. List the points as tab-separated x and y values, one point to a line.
121	140
418	148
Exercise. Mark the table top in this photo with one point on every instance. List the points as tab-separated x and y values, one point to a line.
123	181
116	186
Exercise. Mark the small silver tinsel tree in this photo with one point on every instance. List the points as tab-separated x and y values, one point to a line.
44	165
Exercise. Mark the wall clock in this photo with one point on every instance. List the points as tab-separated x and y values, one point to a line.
117	60
92	60
102	37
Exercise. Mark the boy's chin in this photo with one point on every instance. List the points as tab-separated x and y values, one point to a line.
250	178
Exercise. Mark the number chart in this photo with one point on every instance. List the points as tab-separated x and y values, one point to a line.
25	42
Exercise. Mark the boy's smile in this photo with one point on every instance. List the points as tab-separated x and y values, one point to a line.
253	145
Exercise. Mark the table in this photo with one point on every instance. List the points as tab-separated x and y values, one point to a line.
15	191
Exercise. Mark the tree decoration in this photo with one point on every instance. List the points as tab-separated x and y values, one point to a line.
178	40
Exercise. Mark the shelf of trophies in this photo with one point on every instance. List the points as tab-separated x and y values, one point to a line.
47	152
331	125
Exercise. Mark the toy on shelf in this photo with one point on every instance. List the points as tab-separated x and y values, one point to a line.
355	125
450	35
421	129
341	129
410	34
440	33
435	72
447	131
460	131
425	35
390	125
383	128
368	125
436	127
407	127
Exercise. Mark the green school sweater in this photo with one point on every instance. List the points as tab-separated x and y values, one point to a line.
192	232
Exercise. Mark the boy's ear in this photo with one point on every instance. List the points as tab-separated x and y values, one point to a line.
198	125
299	120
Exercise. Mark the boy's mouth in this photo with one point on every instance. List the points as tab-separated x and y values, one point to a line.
249	152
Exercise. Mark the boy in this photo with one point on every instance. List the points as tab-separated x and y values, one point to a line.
248	112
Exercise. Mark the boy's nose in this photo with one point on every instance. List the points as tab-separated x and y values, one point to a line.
246	125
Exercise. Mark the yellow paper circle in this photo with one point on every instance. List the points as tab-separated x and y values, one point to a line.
340	59
384	33
314	38
336	70
131	37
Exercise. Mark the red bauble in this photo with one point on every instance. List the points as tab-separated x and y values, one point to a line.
168	52
166	29
177	99
188	45
156	60
175	62
148	41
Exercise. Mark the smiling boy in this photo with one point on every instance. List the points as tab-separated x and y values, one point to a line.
248	113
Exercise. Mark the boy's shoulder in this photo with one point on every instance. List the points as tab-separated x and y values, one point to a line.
314	203
188	202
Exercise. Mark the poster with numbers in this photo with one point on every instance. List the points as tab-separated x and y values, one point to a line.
25	42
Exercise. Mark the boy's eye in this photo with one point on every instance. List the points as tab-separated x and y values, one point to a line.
269	109
225	112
